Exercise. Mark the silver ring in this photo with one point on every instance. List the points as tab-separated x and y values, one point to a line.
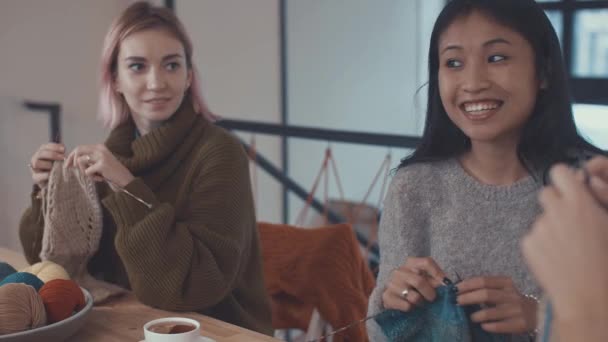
88	158
404	293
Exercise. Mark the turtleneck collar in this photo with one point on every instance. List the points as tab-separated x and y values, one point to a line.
139	153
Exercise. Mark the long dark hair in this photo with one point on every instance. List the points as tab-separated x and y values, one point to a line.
550	134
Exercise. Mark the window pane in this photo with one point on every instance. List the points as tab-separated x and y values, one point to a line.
591	43
557	19
592	123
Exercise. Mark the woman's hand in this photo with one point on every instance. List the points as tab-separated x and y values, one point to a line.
42	162
567	247
412	284
504	309
98	162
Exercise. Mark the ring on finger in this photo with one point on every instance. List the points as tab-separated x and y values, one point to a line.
404	293
87	159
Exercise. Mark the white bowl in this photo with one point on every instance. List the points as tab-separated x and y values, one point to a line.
56	332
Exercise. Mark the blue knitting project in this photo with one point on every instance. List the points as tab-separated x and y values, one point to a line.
439	321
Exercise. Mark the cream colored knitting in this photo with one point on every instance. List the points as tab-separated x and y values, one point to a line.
72	227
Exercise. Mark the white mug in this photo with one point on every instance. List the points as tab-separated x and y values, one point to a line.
193	335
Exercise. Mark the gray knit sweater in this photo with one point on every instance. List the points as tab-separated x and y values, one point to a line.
438	210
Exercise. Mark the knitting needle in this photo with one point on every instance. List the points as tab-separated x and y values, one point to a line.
120	188
458	278
57	140
115	186
345	327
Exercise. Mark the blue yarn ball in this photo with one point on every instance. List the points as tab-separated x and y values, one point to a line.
6	270
25	278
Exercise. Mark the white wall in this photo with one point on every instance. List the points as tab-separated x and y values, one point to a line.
237	52
355	65
50	52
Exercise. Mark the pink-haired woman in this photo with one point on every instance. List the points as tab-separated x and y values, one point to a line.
196	248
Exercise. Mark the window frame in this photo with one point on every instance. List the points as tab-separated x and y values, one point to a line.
584	89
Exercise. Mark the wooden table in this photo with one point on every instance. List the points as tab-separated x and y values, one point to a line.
123	319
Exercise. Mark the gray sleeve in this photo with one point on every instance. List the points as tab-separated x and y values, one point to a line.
401	234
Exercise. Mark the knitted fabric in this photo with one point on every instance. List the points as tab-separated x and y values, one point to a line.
441	320
318	268
72	227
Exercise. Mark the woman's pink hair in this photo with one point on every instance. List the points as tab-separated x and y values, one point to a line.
113	109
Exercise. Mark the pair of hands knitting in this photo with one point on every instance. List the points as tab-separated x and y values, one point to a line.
505	310
95	161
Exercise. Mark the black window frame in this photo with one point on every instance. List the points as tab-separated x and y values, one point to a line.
586	90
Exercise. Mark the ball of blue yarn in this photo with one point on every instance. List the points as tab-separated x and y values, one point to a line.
25	278
6	270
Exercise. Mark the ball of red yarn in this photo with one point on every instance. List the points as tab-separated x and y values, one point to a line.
61	298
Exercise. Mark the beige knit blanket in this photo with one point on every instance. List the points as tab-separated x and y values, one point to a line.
72	227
